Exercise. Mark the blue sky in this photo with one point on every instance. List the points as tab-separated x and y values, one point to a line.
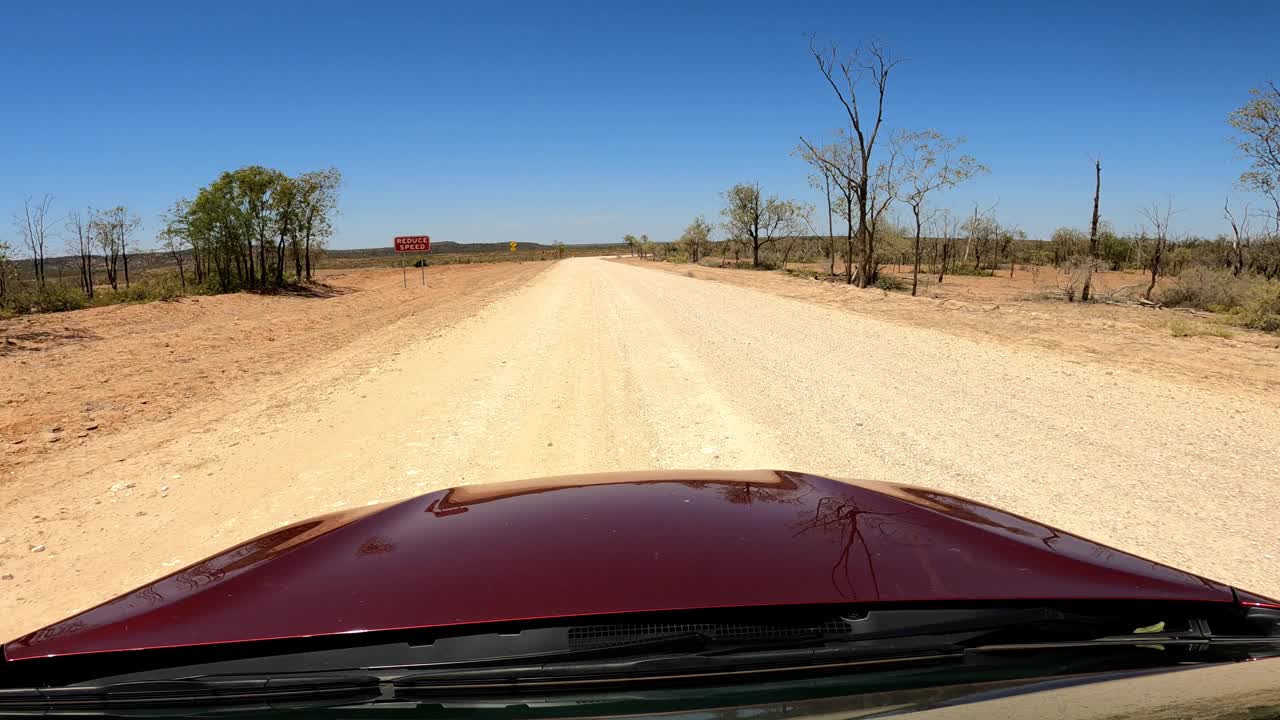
483	122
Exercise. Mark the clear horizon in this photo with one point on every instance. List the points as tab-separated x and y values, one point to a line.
580	123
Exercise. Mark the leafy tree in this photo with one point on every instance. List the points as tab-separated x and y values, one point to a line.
1114	251
1258	125
759	221
1067	243
695	238
318	203
928	166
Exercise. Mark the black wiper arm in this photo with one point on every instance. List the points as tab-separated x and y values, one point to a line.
879	636
673	643
170	693
760	659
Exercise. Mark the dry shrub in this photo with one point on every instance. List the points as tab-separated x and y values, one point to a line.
1179	327
1261	311
1207	289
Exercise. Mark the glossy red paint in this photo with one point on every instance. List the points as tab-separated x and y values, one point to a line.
612	543
1249	599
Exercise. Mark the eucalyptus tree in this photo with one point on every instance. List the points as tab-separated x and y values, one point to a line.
757	220
929	166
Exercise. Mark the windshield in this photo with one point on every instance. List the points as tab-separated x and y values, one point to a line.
329	327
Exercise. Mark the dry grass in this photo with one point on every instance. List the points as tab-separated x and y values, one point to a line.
1179	327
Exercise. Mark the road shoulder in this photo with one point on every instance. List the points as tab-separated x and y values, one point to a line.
1134	339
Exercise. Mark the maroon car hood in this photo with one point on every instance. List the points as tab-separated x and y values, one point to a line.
612	543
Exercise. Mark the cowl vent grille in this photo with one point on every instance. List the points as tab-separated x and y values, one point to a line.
594	636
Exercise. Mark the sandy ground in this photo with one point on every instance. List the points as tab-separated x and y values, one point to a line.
598	365
66	378
997	309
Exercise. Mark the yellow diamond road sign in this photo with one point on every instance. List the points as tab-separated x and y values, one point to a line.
513	246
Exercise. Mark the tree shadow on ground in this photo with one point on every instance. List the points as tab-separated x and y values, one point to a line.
308	290
39	340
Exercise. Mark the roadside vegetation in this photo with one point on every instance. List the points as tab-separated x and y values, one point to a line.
864	172
250	229
253	229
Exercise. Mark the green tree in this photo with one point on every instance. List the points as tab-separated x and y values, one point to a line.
695	238
1067	243
759	221
928	167
318	201
285	222
1258	125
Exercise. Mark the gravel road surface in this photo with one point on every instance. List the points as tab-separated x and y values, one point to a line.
596	365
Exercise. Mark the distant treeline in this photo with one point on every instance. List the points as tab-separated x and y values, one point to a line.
440	247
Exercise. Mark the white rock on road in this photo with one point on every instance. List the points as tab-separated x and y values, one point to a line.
603	366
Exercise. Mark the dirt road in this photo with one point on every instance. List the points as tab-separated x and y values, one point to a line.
598	365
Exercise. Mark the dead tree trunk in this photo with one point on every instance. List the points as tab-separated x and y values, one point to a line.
1093	233
915	266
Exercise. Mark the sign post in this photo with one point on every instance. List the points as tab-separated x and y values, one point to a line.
413	244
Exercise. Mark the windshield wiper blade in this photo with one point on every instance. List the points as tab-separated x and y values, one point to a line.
645	668
713	644
880	636
171	693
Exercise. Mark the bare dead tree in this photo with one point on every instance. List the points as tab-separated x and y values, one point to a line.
1093	232
80	243
33	226
981	232
830	244
950	226
844	75
1239	235
1159	218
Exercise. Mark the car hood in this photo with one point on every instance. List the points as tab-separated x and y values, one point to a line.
612	543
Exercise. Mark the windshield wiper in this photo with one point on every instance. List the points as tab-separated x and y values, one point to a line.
203	692
638	648
879	637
